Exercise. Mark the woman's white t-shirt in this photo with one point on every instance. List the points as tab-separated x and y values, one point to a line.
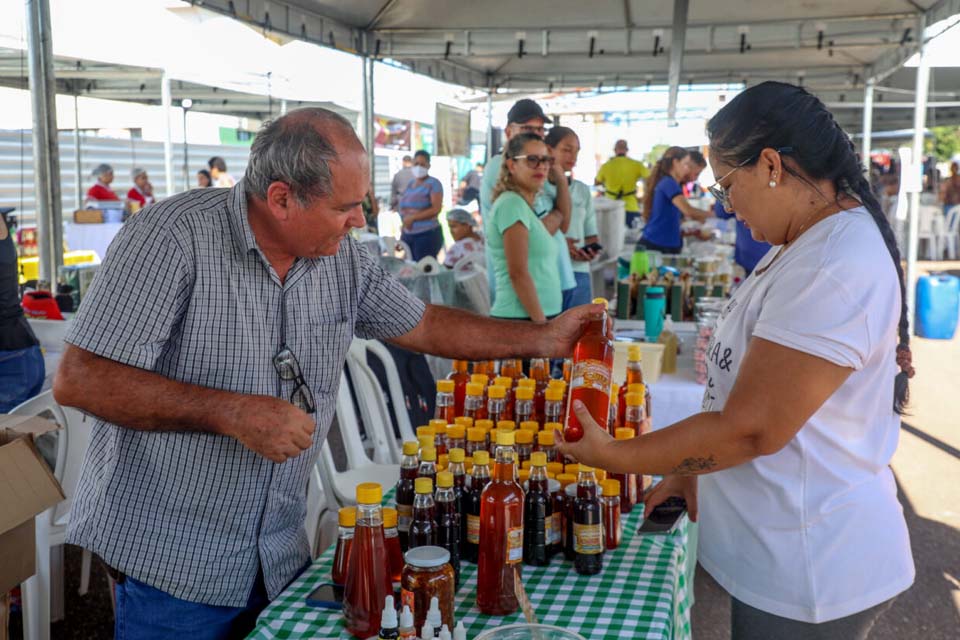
814	532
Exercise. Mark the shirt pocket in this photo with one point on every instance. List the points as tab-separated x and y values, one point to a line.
330	341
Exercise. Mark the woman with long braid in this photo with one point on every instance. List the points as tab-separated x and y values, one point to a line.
787	466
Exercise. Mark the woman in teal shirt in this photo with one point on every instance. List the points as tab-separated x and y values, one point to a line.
522	250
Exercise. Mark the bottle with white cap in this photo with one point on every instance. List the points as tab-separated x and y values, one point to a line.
433	616
460	633
407	631
389	628
445	633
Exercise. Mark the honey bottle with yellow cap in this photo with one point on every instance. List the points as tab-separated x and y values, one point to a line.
409	467
448	521
537	514
588	540
423	529
473	405
497	400
446	403
347	520
501	534
479	479
368	581
592	372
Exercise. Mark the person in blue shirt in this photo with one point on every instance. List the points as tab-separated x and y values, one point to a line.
419	206
664	206
748	251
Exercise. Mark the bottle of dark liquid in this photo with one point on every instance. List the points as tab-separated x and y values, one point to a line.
611	514
368	581
473	405
523	406
479	479
448	521
592	370
553	404
423	529
428	464
476	440
524	447
496	403
405	491
458	470
446	402
537	514
588	540
501	534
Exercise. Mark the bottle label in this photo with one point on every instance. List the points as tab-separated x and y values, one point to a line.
404	517
473	529
553	529
514	545
407	599
587	538
591	374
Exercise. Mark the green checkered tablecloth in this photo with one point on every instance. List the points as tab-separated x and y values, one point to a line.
641	593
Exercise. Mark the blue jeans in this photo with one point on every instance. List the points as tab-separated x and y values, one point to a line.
146	613
21	376
578	295
426	243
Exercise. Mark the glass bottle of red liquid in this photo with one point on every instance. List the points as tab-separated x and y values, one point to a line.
446	408
588	540
501	534
409	467
479	479
392	538
347	520
592	370
460	379
423	529
368	580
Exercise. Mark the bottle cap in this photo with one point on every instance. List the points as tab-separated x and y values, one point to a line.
600	474
443	460
388	619
390	517
423	485
611	488
464	421
347	517
480	378
484	424
481	458
526	464
507	425
523	475
524	436
425	441
496	392
410	448
445	386
524	393
573	468
566	479
428	454
556	468
406	618
546	439
444	479
503	381
476	434
559	383
474	389
614	393
437	424
539	459
553	394
585	469
426	431
553	426
530	425
637	387
625	433
457	455
602	301
369	493
505	439
456	431
527	382
634	353
634	399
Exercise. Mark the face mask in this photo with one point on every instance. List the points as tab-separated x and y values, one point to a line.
419	172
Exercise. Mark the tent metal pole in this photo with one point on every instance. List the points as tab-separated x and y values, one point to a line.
77	158
368	115
166	105
677	43
919	125
46	148
867	125
490	150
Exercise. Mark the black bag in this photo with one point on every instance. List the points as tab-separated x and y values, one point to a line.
419	387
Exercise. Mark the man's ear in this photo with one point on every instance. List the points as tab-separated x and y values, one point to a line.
279	200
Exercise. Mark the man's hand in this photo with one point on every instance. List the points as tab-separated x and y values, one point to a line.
275	429
561	334
593	448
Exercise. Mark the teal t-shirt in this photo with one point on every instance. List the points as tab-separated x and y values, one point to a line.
583	220
507	210
544	204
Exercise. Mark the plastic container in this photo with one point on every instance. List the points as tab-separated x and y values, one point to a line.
654	308
529	632
938	305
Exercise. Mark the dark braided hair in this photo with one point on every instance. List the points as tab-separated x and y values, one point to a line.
779	115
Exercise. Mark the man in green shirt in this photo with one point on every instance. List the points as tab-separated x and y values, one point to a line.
619	176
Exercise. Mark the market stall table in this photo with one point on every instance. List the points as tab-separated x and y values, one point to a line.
642	593
94	237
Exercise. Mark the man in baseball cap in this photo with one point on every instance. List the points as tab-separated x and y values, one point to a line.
525	116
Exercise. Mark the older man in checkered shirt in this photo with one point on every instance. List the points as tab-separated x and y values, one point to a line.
210	349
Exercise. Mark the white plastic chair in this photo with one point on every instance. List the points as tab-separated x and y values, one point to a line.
321	520
360	467
931	230
373	406
394	390
951	234
51	525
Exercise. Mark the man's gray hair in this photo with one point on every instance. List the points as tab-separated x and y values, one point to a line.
293	150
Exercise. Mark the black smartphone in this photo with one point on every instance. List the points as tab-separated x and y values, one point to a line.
596	247
326	596
664	517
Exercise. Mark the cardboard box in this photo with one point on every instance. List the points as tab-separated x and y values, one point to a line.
88	216
27	487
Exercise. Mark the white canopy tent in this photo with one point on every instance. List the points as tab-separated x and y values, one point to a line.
557	45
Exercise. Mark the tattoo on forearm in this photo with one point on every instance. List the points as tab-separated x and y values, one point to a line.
693	466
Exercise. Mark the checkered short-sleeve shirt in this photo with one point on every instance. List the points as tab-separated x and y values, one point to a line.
185	292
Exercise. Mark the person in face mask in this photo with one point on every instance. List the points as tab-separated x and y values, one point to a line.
419	206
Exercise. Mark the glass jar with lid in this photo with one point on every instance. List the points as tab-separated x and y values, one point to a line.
427	574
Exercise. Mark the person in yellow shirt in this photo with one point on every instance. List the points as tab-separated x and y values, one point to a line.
619	176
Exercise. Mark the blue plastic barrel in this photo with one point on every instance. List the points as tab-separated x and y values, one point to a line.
938	306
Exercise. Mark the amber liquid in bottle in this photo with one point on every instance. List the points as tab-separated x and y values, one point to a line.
512	368
368	580
404	498
587	527
460	379
341	557
501	538
539	371
423	529
592	370
448	527
479	480
537	512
